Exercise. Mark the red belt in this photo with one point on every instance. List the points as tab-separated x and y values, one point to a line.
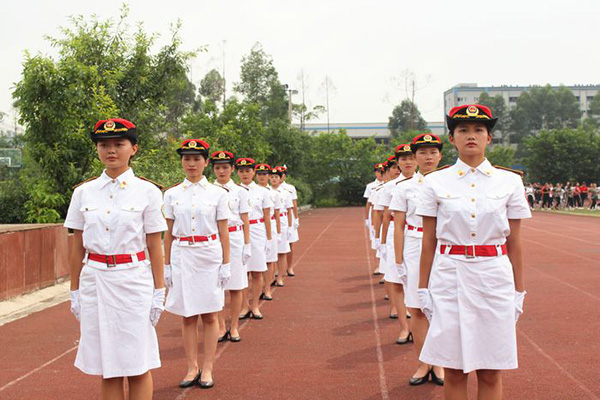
235	228
114	259
474	251
273	217
196	239
414	228
283	215
256	221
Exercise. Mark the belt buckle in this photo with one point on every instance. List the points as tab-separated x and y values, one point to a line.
467	255
111	261
191	240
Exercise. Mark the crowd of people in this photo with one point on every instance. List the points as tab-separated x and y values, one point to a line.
218	237
568	196
447	242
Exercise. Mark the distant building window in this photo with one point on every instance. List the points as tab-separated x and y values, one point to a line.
459	99
512	99
476	99
577	97
589	98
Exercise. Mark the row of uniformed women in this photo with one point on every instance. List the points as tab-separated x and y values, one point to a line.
457	247
118	295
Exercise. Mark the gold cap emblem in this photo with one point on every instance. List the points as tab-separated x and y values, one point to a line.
109	126
472	111
222	155
192	144
427	138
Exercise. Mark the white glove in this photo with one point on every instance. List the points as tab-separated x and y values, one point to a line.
519	298
401	268
269	246
75	305
367	223
168	276
289	233
425	302
246	253
377	244
296	223
224	274
383	250
158	305
279	237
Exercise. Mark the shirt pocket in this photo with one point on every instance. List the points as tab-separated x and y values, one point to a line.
90	214
496	201
208	210
234	205
131	215
449	201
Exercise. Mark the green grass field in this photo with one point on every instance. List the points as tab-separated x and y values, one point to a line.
584	212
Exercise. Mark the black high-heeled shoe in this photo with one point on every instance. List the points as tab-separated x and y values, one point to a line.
291	274
206	385
435	379
193	382
421	380
245	316
406	340
224	337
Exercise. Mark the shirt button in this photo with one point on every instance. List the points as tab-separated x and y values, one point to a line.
108	211
473	234
113	181
193	217
472	215
472	185
111	196
193	229
193	205
472	200
473	170
107	229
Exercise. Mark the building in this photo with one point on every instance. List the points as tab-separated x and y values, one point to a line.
377	130
468	93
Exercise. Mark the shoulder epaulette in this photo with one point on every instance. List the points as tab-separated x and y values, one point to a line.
222	187
172	186
158	185
514	171
404	180
436	170
243	187
87	180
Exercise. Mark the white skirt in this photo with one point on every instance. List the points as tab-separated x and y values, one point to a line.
272	255
239	273
195	274
412	259
473	322
258	244
283	245
391	272
294	236
117	337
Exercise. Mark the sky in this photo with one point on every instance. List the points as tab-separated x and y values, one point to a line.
366	49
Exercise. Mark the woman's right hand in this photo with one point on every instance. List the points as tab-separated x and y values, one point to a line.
75	305
168	276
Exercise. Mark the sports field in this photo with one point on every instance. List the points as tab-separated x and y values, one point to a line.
327	334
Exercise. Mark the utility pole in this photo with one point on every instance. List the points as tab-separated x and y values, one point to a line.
327	99
223	73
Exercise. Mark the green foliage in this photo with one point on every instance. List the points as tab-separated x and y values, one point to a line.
500	155
406	117
500	111
544	108
212	86
563	154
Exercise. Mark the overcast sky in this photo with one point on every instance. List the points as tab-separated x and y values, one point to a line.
364	47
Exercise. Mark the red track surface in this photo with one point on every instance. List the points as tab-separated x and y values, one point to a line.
327	336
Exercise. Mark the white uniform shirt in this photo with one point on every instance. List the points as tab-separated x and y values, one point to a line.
116	214
385	196
239	202
195	208
473	205
286	199
275	197
259	200
405	198
374	198
369	188
291	189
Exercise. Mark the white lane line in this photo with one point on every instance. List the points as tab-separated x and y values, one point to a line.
569	253
222	349
33	371
546	232
557	365
382	381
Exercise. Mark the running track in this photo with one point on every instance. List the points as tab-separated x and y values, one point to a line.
327	336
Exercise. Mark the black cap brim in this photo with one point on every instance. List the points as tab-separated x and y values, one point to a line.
452	123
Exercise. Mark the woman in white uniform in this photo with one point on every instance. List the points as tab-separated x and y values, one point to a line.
197	257
117	293
285	222
295	234
261	237
407	165
262	179
471	283
408	227
223	164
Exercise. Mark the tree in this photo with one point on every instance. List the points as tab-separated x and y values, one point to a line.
406	117
212	86
594	109
544	108
563	154
259	84
500	111
501	155
101	71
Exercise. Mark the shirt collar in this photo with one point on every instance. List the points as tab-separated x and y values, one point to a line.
462	169
230	184
202	182
124	179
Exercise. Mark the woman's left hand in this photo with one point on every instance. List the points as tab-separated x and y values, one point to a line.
158	305
224	274
519	298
